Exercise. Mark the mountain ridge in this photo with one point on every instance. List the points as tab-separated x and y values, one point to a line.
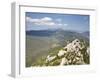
53	32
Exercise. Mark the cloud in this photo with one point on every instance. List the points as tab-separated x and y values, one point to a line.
58	20
47	21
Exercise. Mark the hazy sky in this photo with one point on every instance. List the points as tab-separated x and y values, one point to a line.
44	21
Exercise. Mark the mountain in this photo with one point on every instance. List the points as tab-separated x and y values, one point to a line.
40	32
43	42
86	34
70	55
58	34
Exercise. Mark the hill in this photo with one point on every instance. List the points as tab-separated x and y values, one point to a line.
40	43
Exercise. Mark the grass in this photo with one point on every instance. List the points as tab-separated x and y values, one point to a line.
39	48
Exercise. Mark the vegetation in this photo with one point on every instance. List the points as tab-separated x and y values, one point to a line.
71	56
39	47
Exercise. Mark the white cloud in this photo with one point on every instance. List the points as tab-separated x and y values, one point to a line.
65	24
32	20
60	24
42	21
58	20
47	21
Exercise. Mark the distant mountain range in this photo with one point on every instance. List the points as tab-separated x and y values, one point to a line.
40	32
48	33
86	34
60	35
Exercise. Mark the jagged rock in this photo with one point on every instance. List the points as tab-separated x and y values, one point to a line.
73	46
73	53
64	61
50	58
88	51
61	53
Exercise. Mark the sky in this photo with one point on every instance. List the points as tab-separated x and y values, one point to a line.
51	21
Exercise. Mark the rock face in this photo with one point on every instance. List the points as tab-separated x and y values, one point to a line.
74	53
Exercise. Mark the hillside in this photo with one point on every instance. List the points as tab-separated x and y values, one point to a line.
74	53
39	44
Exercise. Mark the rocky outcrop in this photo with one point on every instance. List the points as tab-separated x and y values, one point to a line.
74	53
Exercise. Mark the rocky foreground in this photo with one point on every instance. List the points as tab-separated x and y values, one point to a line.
74	53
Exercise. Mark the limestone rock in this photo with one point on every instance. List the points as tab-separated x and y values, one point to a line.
73	53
